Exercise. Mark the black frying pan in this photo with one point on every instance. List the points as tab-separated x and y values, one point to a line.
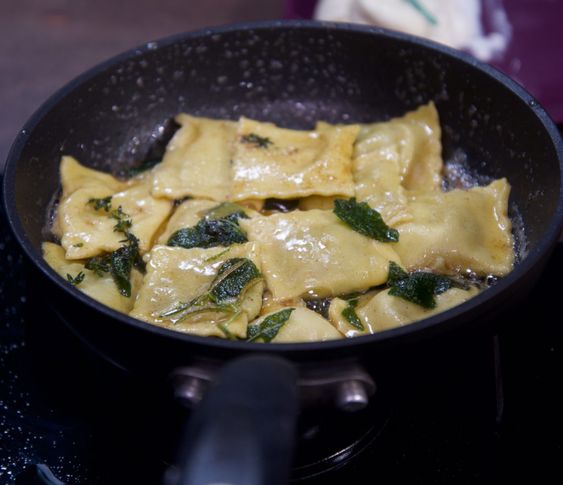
292	73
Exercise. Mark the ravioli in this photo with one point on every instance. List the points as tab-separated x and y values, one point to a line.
338	319
87	231
273	162
76	176
385	311
187	214
315	253
316	202
100	288
398	155
177	275
459	231
304	325
197	160
271	305
223	286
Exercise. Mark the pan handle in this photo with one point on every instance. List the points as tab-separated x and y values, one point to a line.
242	432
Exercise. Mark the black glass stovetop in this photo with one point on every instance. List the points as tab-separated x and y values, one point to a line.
493	413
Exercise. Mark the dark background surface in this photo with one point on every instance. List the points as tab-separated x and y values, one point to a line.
46	43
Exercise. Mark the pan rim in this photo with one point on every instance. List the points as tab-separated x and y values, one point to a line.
434	324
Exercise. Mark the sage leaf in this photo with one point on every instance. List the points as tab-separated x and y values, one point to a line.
99	264
75	280
101	204
120	262
418	287
219	227
349	313
365	220
225	292
256	140
269	327
232	278
396	274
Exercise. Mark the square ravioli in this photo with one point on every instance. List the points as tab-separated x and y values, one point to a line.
100	288
177	276
76	176
276	162
187	214
191	211
394	156
197	162
385	311
459	231
314	253
303	325
86	222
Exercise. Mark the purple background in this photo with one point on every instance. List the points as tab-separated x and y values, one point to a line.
534	56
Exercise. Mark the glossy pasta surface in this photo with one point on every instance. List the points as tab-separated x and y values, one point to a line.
249	231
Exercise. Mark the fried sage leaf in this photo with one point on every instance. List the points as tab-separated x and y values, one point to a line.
99	264
225	294
256	140
349	313
75	280
365	220
268	328
396	274
219	227
200	304
419	287
123	223
208	234
120	262
101	204
232	278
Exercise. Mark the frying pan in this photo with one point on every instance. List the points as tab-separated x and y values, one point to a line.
292	73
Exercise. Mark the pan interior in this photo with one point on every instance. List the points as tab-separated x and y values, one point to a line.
112	117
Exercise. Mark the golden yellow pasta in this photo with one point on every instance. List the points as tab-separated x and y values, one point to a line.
250	231
314	253
87	217
385	311
287	164
177	276
101	288
459	231
197	160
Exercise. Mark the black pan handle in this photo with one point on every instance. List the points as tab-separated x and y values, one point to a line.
242	432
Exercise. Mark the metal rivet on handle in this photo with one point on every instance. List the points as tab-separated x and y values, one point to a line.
190	391
351	396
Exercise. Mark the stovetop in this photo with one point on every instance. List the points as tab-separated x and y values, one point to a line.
494	412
